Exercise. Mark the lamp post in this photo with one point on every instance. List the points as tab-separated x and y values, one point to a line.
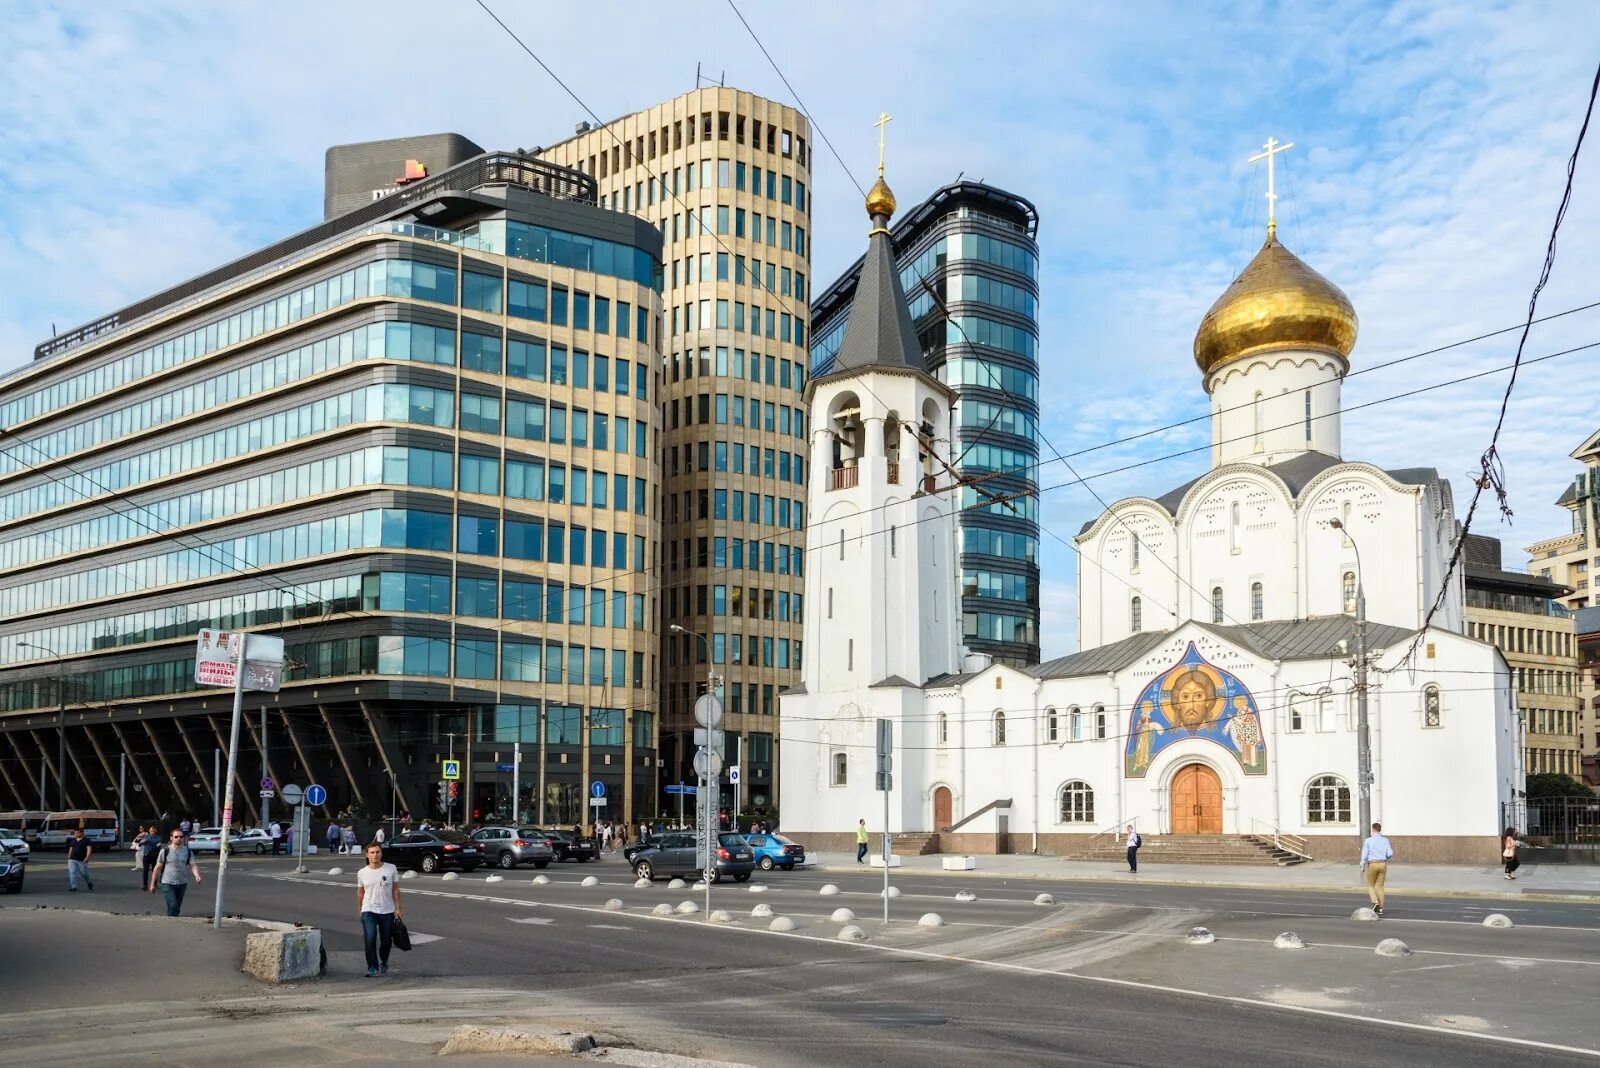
708	812
61	723
1363	737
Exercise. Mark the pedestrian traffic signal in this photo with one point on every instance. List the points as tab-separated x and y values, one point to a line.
444	794
455	790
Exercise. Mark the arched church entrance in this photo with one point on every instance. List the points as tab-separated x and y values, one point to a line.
943	810
1196	794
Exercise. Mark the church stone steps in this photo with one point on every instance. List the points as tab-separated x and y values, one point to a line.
1194	849
916	844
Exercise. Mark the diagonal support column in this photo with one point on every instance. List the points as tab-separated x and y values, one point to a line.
300	751
94	743
50	763
205	772
28	767
241	790
166	765
157	802
84	778
391	757
255	744
11	786
344	761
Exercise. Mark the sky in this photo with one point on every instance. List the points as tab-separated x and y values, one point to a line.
141	144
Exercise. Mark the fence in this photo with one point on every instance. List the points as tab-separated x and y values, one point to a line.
1557	828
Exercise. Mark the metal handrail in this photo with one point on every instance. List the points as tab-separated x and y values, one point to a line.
1289	843
1115	830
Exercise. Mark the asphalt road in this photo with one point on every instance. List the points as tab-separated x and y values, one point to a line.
1101	976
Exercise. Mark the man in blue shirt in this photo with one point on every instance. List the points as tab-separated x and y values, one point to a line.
1376	853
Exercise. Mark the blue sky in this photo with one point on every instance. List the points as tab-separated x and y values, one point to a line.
144	143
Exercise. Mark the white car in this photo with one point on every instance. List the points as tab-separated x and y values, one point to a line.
12	842
209	840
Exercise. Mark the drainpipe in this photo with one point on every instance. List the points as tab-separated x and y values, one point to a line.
1038	740
1274	755
1116	750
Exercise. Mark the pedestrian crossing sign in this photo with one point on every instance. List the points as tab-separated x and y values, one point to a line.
452	770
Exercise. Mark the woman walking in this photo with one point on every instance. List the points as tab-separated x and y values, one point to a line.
378	898
1508	852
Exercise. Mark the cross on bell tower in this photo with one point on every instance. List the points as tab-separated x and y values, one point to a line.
1272	148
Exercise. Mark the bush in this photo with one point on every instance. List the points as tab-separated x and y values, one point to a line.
1553	784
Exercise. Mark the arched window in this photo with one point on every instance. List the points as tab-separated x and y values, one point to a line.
1260	420
1325	711
1077	802
1297	712
1099	721
1328	800
1349	591
1308	417
1136	554
1216	604
999	728
1052	725
1234	529
1136	615
1431	716
1258	603
841	769
944	728
1075	724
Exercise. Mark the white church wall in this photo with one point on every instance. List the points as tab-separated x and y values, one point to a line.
1382	520
1261	412
1237	527
1133	553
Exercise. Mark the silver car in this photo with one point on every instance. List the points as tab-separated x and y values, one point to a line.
508	847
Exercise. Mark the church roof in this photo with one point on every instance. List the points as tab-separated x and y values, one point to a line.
1306	639
879	332
1296	473
1113	657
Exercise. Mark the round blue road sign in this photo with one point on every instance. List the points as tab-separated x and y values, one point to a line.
597	789
316	795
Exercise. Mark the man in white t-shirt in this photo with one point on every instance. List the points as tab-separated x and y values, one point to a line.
378	898
277	836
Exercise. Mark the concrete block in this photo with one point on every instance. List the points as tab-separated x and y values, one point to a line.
676	884
283	956
877	861
1289	940
687	908
1497	919
931	919
470	1038
762	912
590	880
781	924
1392	947
720	916
662	909
852	933
613	904
1364	915
842	916
960	863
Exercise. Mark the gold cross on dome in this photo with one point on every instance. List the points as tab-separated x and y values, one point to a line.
1272	148
884	119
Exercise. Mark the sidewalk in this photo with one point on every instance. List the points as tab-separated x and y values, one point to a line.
1560	882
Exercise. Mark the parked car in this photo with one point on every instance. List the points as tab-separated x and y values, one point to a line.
676	855
776	851
433	850
12	870
508	847
568	846
11	841
633	849
209	840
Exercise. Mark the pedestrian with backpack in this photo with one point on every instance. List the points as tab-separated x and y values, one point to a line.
1135	840
147	852
169	871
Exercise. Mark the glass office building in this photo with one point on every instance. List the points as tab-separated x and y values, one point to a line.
969	262
418	442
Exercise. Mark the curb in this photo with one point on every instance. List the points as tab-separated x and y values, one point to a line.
1325	888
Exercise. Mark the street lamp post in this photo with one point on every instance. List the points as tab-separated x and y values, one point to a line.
1363	736
61	723
707	810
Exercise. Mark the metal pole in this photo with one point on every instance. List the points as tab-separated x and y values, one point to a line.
886	854
122	787
227	797
450	802
516	781
266	802
1363	738
216	786
542	762
738	787
302	831
61	737
44	768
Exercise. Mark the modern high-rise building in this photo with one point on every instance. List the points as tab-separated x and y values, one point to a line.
1573	561
1522	616
726	176
968	258
419	442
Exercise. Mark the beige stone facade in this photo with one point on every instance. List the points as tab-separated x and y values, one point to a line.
726	176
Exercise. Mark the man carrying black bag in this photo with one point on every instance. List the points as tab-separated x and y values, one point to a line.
378	898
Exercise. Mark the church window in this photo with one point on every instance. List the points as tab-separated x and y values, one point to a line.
1099	721
1136	556
1328	800
1297	714
894	544
1077	802
1260	420
999	727
830	602
1349	591
841	543
1431	716
1344	525
1075	724
1258	606
1325	711
850	654
1052	725
944	728
1136	615
1308	417
1216	604
1234	529
840	769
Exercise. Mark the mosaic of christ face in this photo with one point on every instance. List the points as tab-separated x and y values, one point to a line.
1194	700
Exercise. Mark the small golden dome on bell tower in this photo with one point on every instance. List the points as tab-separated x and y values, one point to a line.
880	199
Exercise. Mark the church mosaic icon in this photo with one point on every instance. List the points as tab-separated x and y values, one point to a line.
1195	699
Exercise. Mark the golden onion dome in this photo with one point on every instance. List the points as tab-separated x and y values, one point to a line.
1276	303
880	199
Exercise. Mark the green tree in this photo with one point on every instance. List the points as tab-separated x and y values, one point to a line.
1553	784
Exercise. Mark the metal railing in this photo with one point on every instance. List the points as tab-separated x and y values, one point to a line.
1116	829
1289	843
1568	825
894	472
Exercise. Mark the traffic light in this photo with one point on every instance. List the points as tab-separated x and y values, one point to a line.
455	790
444	794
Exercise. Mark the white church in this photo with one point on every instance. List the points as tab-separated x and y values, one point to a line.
1215	695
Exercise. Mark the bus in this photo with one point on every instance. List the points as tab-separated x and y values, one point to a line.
26	822
99	827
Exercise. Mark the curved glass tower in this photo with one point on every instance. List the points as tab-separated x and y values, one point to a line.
969	260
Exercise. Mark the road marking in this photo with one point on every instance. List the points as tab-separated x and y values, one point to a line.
609	927
542	921
424	939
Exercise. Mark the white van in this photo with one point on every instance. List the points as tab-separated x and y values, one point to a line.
99	827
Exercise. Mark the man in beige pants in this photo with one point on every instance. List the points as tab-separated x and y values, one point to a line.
1376	852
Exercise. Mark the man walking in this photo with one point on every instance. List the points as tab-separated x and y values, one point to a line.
1135	840
78	853
333	837
1376	853
276	832
169	872
861	841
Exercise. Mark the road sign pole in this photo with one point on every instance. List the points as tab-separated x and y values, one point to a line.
227	796
516	781
302	831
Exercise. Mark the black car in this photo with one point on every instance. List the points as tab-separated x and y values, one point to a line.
677	855
568	846
433	850
12	870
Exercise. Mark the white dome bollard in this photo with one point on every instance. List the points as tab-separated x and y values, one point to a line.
541	880
1497	919
1364	915
828	890
494	878
641	884
1199	936
590	880
451	875
852	933
931	919
687	908
720	916
676	884
613	904
1288	940
842	916
966	895
1044	899
1392	947
335	871
893	891
762	912
782	924
662	909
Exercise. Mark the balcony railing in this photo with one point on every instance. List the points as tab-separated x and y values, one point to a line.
844	478
894	472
